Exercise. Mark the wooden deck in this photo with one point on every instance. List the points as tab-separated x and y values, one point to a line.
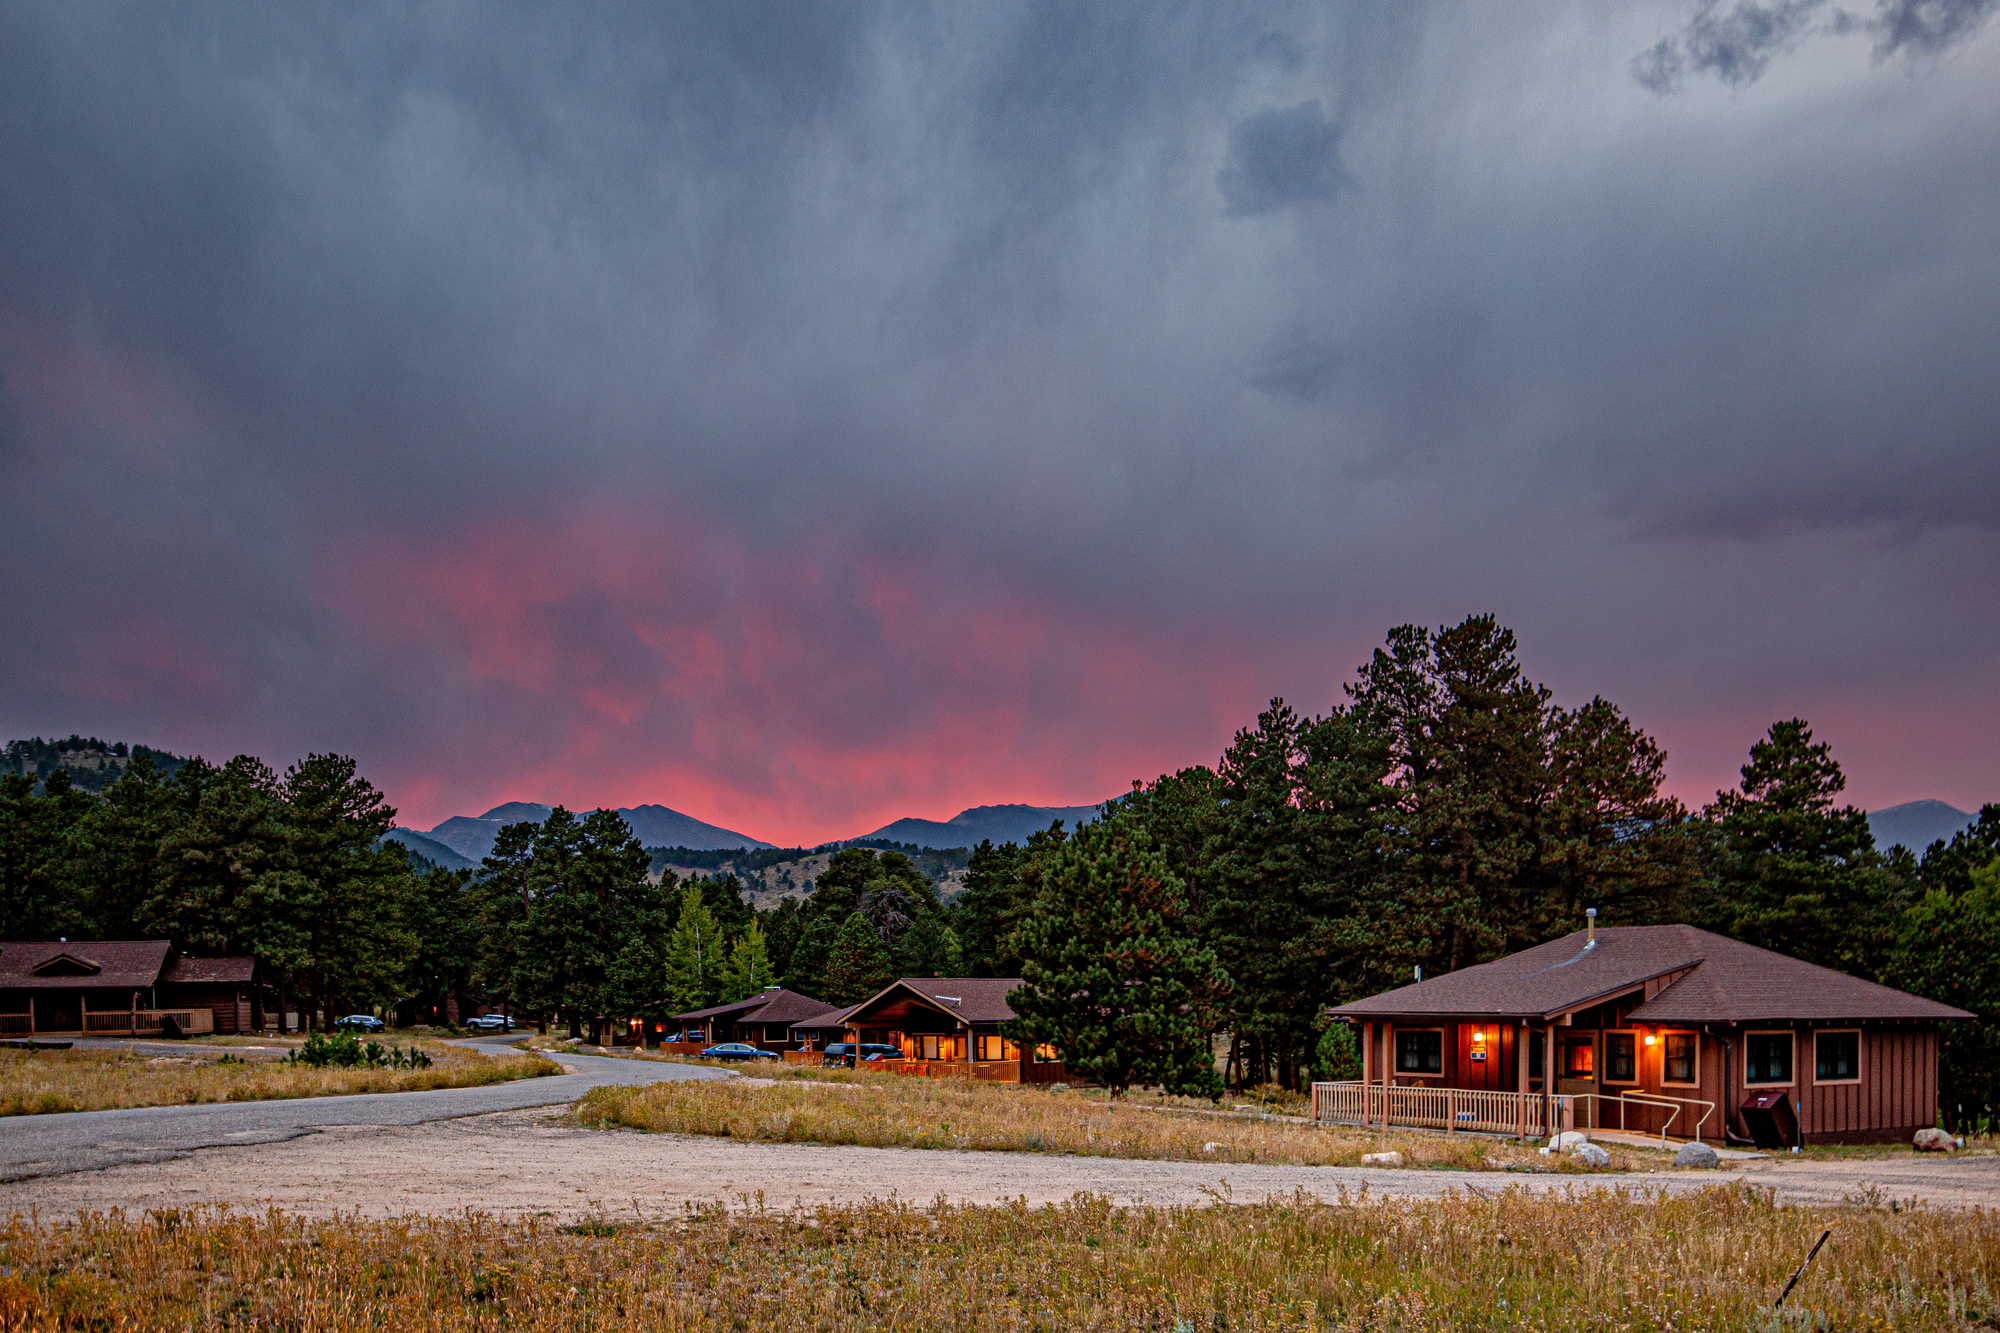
1524	1115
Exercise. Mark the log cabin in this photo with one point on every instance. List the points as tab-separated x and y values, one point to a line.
125	988
1661	1030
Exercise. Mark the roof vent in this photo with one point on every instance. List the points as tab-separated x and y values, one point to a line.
1590	924
950	999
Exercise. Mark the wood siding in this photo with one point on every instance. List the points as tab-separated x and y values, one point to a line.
1897	1094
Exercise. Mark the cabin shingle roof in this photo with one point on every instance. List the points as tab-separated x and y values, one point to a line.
771	1006
1722	981
119	964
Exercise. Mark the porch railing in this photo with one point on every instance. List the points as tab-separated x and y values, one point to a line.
149	1021
1523	1114
1649	1101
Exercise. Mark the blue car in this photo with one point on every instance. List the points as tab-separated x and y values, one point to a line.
358	1023
738	1050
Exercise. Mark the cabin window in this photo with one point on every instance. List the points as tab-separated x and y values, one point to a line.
1767	1057
1621	1057
1420	1052
930	1046
1836	1057
1046	1053
1580	1057
990	1047
1677	1062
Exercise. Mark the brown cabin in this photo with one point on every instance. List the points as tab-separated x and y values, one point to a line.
124	987
1660	1030
946	1027
765	1019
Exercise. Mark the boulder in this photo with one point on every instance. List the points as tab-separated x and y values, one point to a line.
1933	1140
1591	1155
1568	1140
1381	1159
1697	1155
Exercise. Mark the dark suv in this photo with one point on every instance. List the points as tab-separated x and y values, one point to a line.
850	1053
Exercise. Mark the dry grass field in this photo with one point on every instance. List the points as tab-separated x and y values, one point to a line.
894	1111
43	1082
1716	1259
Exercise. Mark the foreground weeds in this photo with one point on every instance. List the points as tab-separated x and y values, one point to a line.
44	1082
895	1111
1713	1260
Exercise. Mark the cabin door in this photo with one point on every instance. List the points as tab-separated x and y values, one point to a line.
1577	1069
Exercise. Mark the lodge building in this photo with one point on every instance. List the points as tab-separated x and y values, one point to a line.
1655	1029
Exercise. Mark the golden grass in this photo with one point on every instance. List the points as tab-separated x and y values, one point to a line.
1715	1259
896	1111
43	1082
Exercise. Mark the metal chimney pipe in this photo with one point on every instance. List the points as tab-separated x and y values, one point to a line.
1590	917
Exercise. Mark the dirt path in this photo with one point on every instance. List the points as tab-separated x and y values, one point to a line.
534	1161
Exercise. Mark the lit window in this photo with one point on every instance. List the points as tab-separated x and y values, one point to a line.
931	1047
1767	1057
1420	1052
1046	1053
1680	1058
1621	1057
989	1046
1579	1057
1836	1056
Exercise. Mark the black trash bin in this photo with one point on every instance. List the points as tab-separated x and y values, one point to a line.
1771	1120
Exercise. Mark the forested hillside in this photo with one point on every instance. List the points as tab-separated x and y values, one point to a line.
90	762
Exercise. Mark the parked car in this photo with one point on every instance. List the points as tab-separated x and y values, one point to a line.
851	1053
692	1034
738	1050
358	1023
490	1023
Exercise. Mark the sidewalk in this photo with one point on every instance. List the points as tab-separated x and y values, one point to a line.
1630	1140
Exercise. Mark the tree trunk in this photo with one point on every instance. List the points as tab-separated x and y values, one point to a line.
575	1026
1232	1069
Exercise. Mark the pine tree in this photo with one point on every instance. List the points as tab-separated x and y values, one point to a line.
1111	973
749	968
1791	871
858	964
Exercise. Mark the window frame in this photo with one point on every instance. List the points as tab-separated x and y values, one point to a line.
1638	1046
1666	1034
979	1041
1859	1047
1566	1043
929	1046
1045	1054
1397	1036
1787	1033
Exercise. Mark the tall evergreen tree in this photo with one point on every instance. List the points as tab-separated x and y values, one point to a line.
1111	972
347	890
1789	869
858	963
1947	948
749	970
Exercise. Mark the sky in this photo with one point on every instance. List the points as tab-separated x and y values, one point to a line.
804	416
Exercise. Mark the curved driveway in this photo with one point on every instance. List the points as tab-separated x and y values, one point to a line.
49	1145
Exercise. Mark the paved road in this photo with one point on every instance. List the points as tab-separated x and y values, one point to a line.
48	1145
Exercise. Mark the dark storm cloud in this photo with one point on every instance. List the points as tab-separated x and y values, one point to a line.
771	386
1281	157
1736	45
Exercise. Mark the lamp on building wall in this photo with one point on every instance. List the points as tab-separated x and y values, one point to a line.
1650	1039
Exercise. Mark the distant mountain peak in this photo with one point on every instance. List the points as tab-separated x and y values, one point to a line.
981	823
653	825
1916	824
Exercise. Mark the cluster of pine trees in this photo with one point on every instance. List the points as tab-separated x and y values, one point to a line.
1447	813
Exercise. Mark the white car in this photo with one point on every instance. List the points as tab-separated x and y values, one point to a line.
490	1023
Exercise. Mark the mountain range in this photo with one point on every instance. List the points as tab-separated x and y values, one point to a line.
464	840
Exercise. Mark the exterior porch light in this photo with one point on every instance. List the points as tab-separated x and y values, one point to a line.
1479	1036
1651	1038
